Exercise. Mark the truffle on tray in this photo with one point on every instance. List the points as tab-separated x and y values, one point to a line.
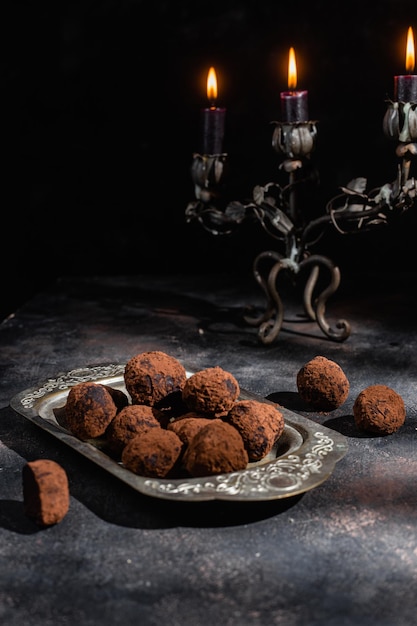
132	420
211	392
153	454
217	448
150	377
188	425
260	425
89	409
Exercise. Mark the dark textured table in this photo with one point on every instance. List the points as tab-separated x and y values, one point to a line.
342	553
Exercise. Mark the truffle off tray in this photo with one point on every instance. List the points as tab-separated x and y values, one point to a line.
304	456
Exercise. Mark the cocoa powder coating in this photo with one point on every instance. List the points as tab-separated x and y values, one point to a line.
216	448
322	384
153	454
151	376
89	409
132	420
46	495
212	392
379	409
259	424
187	426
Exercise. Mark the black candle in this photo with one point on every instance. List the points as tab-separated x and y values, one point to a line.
294	104
405	86
212	120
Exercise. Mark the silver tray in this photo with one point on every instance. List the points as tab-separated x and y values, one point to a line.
303	458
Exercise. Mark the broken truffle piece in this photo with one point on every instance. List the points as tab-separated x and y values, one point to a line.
259	424
379	409
322	384
152	376
152	454
211	391
217	448
89	409
132	420
46	496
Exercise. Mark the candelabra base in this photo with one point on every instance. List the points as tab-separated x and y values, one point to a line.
267	268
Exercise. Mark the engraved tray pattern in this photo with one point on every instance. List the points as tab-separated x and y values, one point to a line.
303	458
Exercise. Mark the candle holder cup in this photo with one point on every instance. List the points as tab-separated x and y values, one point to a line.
400	124
280	213
208	174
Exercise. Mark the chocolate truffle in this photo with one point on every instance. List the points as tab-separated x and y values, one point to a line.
119	397
379	410
132	420
212	392
153	454
215	449
89	410
322	384
46	496
188	425
152	376
259	424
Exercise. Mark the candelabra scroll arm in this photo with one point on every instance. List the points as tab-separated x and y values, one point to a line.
318	310
268	331
308	292
271	210
263	282
214	220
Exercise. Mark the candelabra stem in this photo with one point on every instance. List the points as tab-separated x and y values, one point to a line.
292	198
405	170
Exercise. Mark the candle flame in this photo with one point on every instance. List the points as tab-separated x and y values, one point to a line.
410	54
292	70
212	85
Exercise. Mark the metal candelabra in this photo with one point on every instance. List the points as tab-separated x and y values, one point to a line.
277	209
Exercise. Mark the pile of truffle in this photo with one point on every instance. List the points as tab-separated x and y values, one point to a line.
173	425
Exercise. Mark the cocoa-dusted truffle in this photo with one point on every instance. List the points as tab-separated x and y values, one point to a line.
89	410
152	376
132	420
211	391
379	409
188	425
119	397
153	454
322	384
215	449
46	495
259	424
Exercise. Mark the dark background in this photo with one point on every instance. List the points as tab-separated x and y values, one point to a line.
100	116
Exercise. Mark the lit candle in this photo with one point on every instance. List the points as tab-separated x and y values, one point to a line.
212	119
294	104
405	86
